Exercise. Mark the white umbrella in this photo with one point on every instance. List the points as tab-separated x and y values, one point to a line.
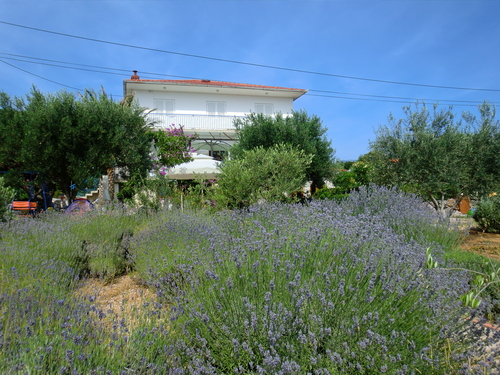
202	165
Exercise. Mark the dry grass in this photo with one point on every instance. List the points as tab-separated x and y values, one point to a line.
124	298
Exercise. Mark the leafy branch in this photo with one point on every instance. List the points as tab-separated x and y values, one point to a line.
481	281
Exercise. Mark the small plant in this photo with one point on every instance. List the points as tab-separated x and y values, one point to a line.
331	193
200	192
147	192
346	181
481	281
487	214
6	196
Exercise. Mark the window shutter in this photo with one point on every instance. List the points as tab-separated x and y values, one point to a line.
164	105
221	108
211	108
268	109
216	108
169	106
264	108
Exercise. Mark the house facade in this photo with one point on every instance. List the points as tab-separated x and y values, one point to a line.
208	108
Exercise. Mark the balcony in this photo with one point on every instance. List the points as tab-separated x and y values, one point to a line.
194	122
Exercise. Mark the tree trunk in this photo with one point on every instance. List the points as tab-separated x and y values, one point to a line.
111	184
440	206
314	187
100	196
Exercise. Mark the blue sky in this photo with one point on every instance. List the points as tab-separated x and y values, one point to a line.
454	43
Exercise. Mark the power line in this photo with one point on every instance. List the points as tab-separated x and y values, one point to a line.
326	96
398	101
77	66
246	63
396	97
127	71
36	75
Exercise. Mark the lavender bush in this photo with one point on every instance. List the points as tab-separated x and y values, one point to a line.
327	288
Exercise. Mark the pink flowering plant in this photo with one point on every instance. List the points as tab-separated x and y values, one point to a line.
174	147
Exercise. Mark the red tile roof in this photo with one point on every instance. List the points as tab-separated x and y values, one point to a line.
206	82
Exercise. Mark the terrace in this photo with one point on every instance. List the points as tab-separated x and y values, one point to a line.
194	122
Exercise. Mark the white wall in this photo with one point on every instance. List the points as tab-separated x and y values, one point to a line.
191	103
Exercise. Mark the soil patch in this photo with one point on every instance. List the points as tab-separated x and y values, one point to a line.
486	244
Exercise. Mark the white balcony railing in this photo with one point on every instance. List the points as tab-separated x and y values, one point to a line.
196	122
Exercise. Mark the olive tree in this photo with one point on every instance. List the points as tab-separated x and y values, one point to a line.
299	130
436	155
71	139
261	174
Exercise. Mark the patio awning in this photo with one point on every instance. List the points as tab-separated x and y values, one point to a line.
202	166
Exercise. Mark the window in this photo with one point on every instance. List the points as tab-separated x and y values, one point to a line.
164	105
264	108
216	108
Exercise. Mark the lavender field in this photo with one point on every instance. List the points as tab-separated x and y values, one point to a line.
322	288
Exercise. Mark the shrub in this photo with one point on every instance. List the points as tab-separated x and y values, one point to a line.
345	182
327	288
487	214
330	193
147	193
6	196
261	174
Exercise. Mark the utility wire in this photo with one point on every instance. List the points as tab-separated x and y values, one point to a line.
326	96
36	75
153	75
127	71
474	102
245	63
396	101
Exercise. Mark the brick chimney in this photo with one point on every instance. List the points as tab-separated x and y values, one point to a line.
135	76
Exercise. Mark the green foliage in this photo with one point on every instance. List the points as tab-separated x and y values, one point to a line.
330	193
147	192
173	147
485	282
361	172
479	264
70	139
25	185
437	156
159	192
269	174
345	181
6	196
347	165
199	193
298	130
484	151
487	214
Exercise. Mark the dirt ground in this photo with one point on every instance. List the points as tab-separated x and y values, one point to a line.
486	244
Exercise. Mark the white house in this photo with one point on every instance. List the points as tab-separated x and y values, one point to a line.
207	107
